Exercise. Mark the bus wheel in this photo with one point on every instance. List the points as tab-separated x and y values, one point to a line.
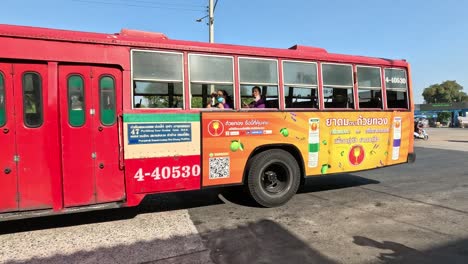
273	177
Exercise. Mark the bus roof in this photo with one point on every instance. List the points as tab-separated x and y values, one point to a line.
144	39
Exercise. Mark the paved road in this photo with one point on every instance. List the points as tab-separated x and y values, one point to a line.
446	138
415	213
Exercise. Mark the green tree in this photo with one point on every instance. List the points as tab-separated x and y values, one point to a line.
446	92
443	116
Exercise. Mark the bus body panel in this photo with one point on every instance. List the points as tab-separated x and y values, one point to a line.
90	149
164	174
329	142
8	173
162	152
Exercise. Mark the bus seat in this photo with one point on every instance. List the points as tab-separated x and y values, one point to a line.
340	101
271	103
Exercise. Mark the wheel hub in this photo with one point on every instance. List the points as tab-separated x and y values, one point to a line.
271	177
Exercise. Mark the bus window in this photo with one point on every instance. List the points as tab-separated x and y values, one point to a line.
208	76
107	100
258	76
157	79
32	100
300	84
76	109
369	87
338	85
2	102
397	89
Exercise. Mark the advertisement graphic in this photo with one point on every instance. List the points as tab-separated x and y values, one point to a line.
314	142
328	142
396	138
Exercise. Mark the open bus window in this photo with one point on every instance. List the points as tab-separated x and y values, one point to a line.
338	85
300	97
208	76
148	94
204	94
76	112
259	96
397	88
258	76
157	79
369	87
300	84
32	100
2	101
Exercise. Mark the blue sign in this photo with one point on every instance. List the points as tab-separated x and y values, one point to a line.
154	133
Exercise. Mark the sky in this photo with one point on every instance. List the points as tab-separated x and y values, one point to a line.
432	35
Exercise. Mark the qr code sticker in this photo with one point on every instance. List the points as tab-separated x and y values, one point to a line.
219	168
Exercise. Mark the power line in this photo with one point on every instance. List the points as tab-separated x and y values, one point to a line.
159	6
164	3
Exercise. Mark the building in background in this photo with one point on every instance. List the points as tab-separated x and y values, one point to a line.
431	112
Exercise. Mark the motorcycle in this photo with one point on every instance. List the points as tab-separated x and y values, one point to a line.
422	135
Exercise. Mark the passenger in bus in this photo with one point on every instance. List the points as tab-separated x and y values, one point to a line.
259	101
138	105
213	102
221	100
76	103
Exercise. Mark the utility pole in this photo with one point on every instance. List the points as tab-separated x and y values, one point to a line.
211	21
211	10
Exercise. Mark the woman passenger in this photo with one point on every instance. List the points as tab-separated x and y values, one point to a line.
222	100
258	101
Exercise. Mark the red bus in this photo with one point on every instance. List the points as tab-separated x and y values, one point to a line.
92	121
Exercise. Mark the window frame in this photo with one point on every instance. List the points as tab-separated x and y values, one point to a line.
407	97
233	107
370	88
41	99
68	99
240	84
301	85
100	99
132	79
5	120
344	87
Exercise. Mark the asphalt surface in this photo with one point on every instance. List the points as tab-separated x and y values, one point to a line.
414	213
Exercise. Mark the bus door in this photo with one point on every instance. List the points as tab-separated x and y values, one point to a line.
26	122
8	173
90	99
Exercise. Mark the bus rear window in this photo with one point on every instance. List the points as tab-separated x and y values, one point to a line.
32	100
397	88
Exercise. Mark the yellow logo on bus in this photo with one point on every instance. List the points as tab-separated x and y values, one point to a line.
215	128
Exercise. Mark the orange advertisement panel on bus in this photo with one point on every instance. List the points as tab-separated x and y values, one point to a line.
328	142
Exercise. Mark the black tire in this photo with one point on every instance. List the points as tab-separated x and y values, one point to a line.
273	177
